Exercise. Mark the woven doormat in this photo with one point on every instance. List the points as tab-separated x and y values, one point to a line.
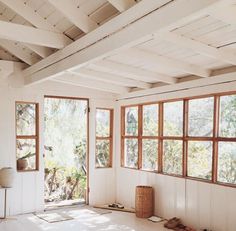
53	217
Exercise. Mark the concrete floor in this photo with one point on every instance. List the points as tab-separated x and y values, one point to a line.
85	218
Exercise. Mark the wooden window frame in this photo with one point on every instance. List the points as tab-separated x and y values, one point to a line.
110	138
175	138
30	137
215	138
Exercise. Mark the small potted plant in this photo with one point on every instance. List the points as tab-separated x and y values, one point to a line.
22	162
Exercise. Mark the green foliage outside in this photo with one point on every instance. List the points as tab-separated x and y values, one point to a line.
199	152
65	138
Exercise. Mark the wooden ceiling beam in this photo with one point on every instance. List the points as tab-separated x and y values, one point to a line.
27	34
220	54
111	78
74	14
81	81
156	59
17	51
126	30
135	72
122	5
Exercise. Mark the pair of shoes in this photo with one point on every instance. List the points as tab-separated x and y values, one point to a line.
172	223
117	206
182	227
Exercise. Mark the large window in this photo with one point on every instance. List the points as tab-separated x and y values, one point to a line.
130	137
200	137
149	137
193	138
27	147
140	137
104	137
227	142
172	138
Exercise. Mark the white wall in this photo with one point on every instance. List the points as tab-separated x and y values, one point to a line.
27	194
201	205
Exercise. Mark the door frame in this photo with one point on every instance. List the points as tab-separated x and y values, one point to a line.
87	152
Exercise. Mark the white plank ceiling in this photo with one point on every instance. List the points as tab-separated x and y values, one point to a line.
199	41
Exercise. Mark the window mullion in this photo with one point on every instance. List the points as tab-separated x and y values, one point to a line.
160	142
140	133
185	135
215	136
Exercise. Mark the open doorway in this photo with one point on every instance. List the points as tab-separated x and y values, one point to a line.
65	151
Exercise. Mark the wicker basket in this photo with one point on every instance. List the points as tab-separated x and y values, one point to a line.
144	201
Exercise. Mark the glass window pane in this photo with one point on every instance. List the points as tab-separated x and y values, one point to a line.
102	123
173	118
201	117
26	154
228	116
131	153
172	156
200	159
131	121
25	119
103	153
149	154
227	162
150	120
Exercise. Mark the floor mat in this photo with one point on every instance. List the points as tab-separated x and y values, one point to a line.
53	217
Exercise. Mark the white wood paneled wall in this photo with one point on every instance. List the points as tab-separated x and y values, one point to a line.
200	205
27	194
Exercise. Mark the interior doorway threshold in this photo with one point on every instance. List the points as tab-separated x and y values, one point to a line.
65	203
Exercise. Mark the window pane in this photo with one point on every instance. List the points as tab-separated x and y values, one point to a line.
228	116
201	117
173	118
25	119
131	153
150	120
131	121
227	162
26	154
102	123
103	153
149	154
200	159
172	156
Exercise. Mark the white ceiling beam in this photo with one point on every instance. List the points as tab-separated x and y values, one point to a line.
167	62
17	51
41	51
111	78
36	20
76	80
109	28
122	5
29	14
26	34
219	76
74	14
225	13
124	31
135	72
217	53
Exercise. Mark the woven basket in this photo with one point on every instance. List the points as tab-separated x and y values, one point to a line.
144	201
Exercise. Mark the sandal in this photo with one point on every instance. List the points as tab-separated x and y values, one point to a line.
172	223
